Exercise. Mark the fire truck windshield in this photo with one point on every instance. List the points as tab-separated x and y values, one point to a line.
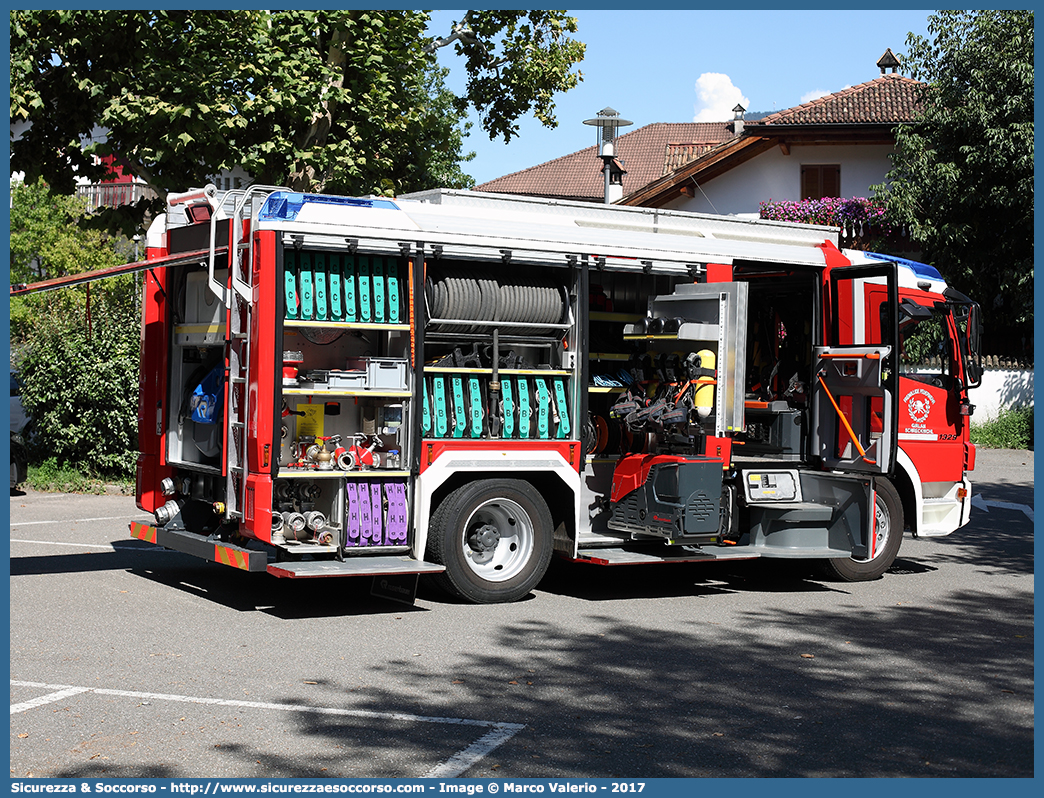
925	353
931	338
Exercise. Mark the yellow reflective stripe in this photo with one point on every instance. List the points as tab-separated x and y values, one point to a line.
226	556
143	532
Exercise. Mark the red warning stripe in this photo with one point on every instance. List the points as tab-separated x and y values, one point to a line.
226	556
143	532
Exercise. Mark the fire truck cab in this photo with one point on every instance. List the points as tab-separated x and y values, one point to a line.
466	384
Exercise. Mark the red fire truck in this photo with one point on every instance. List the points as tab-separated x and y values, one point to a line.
465	385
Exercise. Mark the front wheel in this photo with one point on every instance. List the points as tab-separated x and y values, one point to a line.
495	538
888	534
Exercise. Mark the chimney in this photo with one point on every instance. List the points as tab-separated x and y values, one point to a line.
888	60
614	191
737	119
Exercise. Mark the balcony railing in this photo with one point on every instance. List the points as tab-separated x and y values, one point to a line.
859	235
112	195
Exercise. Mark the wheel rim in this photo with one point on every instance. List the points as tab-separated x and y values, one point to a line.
882	528
498	540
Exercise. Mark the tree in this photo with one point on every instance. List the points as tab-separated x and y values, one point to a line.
78	368
82	391
507	79
962	174
339	101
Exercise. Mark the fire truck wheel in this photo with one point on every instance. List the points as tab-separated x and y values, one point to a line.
495	538
889	531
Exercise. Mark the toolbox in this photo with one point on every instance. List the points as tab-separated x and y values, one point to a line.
347	380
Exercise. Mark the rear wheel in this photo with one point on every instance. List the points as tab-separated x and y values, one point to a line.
495	538
888	532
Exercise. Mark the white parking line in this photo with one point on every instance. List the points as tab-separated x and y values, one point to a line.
462	760
138	517
108	546
46	699
498	734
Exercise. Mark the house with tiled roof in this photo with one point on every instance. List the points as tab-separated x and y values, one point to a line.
645	154
834	146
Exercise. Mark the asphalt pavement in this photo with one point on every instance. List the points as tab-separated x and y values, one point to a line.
132	661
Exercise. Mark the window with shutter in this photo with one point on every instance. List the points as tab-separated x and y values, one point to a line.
820	180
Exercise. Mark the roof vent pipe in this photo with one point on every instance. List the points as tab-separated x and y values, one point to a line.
608	123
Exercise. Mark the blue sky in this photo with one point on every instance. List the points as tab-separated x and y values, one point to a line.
646	65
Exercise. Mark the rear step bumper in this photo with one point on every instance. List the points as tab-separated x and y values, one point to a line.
257	561
354	566
198	546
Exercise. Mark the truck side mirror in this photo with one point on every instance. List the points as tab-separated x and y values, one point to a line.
972	342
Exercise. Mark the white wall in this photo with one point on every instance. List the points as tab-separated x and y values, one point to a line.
775	176
1001	389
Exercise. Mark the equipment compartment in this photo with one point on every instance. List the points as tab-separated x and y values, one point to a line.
345	397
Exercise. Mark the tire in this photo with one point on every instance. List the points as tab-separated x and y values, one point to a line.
494	536
888	527
19	462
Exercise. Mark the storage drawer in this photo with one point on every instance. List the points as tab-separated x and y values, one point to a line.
348	380
387	373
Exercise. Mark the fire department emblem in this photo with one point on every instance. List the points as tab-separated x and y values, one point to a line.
919	404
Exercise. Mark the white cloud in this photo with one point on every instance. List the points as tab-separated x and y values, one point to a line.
717	97
815	94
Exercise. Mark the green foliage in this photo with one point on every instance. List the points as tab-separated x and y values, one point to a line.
1012	429
346	101
962	175
77	351
46	242
337	96
49	476
437	141
520	73
82	390
158	81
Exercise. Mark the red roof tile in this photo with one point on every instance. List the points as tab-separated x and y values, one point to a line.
680	154
888	99
646	153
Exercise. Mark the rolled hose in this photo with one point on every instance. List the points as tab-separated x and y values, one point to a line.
472	295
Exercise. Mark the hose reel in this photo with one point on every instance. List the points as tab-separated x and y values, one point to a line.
476	295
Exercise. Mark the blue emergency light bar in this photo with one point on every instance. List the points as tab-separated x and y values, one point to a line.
920	269
285	205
